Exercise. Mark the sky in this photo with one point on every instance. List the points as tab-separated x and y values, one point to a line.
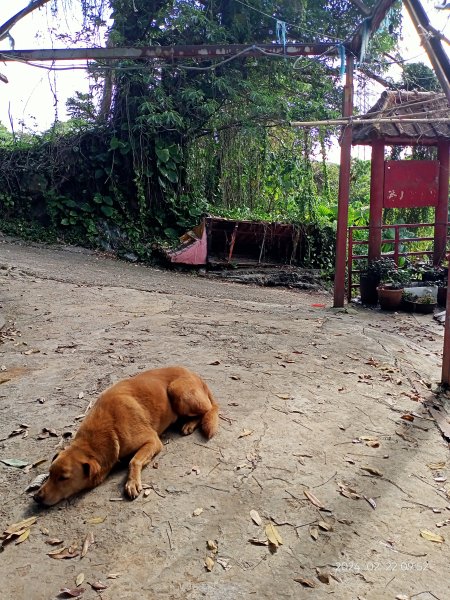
28	101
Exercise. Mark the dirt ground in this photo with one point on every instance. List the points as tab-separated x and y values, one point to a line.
312	400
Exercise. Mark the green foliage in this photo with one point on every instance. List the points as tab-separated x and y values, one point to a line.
184	137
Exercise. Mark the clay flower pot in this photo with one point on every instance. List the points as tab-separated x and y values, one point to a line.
389	298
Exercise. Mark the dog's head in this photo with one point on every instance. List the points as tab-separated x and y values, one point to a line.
71	472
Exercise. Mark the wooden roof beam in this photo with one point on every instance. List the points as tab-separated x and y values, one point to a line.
376	17
203	52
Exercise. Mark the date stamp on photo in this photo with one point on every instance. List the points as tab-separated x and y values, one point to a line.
378	566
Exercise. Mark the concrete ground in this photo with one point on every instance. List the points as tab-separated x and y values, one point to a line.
322	433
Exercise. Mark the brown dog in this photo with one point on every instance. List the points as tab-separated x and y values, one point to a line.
127	419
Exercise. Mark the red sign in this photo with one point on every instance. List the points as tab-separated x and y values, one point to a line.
410	183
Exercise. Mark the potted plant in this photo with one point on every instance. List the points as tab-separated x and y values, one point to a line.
390	290
426	303
375	272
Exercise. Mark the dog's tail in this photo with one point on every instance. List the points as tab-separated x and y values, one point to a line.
210	419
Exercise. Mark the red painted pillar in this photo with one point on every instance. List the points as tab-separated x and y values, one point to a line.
344	189
441	212
376	199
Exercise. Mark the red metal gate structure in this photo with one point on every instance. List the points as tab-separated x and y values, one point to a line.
398	244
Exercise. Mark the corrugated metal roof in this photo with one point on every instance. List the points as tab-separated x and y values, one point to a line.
430	105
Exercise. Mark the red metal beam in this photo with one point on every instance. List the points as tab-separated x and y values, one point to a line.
202	52
441	213
401	141
376	199
344	189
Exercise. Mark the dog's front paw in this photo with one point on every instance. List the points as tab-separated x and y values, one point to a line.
189	428
133	488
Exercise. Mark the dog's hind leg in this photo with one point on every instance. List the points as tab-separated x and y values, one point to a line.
150	448
193	398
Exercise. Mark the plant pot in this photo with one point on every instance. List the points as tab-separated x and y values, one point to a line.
442	296
419	307
368	289
389	298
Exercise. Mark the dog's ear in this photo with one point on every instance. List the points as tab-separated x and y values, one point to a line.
91	470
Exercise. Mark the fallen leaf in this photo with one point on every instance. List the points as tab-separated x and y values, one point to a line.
402	597
224	564
323	576
440	479
68	593
212	545
443	523
348	492
314	532
313	499
79	580
436	466
87	542
324	357
235	377
371	501
209	563
245	432
53	541
214	363
305	582
258	542
44	530
14	462
25	535
95	520
113	576
63	553
254	515
22	525
407	417
283	396
37	482
98	585
372	471
197	512
431	537
325	526
273	536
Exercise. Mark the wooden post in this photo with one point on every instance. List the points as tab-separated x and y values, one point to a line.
441	212
344	189
376	199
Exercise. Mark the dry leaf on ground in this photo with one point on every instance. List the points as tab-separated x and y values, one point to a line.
313	499
197	512
372	471
71	593
432	537
254	515
245	433
209	563
89	540
273	536
306	582
98	585
79	580
95	520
